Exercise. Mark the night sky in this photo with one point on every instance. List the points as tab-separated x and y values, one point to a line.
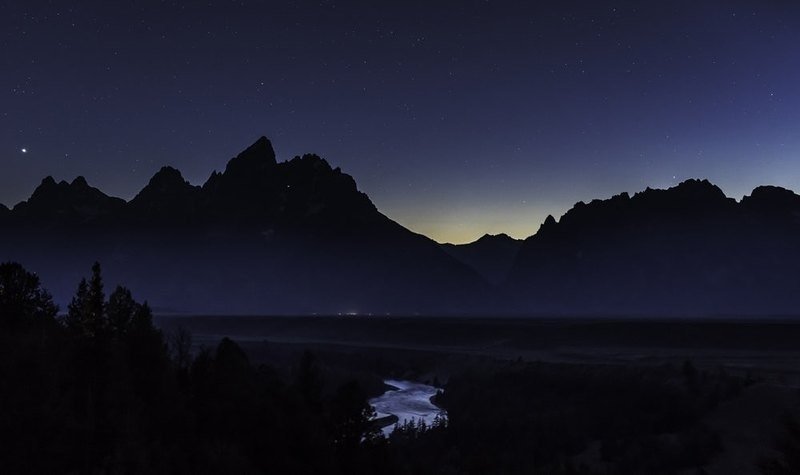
457	118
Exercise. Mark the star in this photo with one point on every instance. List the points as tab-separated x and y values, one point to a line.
23	150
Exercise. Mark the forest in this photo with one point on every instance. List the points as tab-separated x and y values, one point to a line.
101	389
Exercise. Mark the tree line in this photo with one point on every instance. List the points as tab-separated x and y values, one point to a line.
102	390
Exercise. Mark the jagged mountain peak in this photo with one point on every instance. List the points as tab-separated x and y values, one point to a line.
689	192
312	166
255	159
47	182
55	192
80	183
167	199
550	221
692	197
167	173
311	159
47	187
65	203
699	187
255	190
164	187
167	178
246	185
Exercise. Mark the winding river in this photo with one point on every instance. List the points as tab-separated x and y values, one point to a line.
409	400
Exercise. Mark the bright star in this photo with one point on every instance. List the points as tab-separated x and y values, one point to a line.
24	150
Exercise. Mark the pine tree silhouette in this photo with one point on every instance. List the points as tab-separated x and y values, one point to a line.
22	299
121	309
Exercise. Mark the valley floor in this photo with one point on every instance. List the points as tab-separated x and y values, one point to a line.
764	355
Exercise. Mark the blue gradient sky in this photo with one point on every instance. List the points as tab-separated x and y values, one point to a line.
458	119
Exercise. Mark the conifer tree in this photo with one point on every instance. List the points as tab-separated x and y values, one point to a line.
87	311
95	321
22	298
76	310
121	309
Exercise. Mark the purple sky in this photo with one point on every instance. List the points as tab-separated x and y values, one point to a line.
457	118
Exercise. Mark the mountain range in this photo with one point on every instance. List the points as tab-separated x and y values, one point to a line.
687	250
298	237
295	237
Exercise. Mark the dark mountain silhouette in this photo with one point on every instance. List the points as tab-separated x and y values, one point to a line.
168	199
774	203
491	256
63	204
260	237
298	237
686	250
